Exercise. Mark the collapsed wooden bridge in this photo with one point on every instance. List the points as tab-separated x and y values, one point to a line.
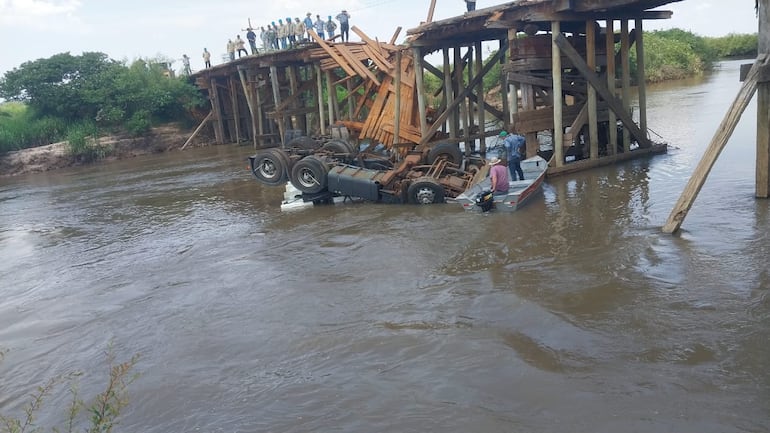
565	80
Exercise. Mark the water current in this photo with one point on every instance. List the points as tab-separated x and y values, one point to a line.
575	314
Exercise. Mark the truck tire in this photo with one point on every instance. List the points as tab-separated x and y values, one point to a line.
425	190
270	167
310	175
337	145
450	152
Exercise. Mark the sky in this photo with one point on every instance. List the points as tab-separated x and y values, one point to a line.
127	30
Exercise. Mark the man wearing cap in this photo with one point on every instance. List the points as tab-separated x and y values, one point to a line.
344	19
499	175
515	148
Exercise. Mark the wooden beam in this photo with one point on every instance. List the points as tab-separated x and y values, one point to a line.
601	89
277	101
397	116
236	112
718	142
593	121
762	181
320	93
216	105
330	97
640	74
430	11
418	71
558	99
250	103
395	35
625	78
448	93
480	102
198	129
612	145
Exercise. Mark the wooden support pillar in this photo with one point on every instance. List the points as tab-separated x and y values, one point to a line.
331	97
481	111
460	120
612	145
593	118
277	101
718	142
260	111
351	100
249	101
236	112
448	93
762	189
558	128
625	60
642	77
320	90
216	106
419	77
503	86
470	143
291	72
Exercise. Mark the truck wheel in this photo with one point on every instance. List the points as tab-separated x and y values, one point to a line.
303	143
309	175
450	152
270	167
337	145
425	190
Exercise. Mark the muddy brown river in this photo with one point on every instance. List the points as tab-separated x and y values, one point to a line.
575	314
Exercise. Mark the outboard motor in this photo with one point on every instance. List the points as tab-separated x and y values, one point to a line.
485	200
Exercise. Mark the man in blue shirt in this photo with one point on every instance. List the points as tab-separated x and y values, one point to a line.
516	148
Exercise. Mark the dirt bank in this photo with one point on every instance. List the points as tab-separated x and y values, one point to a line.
55	156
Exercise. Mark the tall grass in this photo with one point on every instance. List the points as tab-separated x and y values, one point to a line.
83	143
20	128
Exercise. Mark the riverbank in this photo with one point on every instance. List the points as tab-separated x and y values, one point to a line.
55	156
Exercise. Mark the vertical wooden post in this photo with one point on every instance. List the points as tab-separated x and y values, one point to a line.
558	128
593	121
260	111
277	101
470	143
219	129
503	81
762	189
291	72
351	100
625	60
320	90
397	84
448	93
247	92
641	76
331	97
419	82
612	146
236	112
481	111
461	123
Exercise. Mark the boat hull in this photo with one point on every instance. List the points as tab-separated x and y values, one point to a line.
519	192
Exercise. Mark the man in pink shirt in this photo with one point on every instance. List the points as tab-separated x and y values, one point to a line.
499	175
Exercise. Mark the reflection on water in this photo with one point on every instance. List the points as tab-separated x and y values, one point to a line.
573	314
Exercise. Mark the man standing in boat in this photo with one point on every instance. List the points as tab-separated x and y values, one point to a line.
515	148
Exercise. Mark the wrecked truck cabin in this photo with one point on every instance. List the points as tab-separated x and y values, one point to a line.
355	118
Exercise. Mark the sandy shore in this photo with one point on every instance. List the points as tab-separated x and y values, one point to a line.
55	156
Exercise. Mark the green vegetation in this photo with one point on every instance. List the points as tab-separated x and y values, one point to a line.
734	45
55	97
101	412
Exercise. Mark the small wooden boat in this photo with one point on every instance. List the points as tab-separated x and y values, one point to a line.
518	193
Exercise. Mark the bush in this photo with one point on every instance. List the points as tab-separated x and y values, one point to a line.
83	144
19	128
139	123
734	45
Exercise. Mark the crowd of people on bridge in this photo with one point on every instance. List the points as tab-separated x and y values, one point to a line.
283	35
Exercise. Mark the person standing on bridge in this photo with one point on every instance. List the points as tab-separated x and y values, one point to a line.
331	26
252	38
319	26
186	64
240	45
471	5
344	19
231	49
308	22
282	33
299	31
206	58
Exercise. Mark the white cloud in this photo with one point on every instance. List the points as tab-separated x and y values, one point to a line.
41	14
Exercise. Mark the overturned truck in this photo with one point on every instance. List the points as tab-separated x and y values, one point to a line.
323	170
